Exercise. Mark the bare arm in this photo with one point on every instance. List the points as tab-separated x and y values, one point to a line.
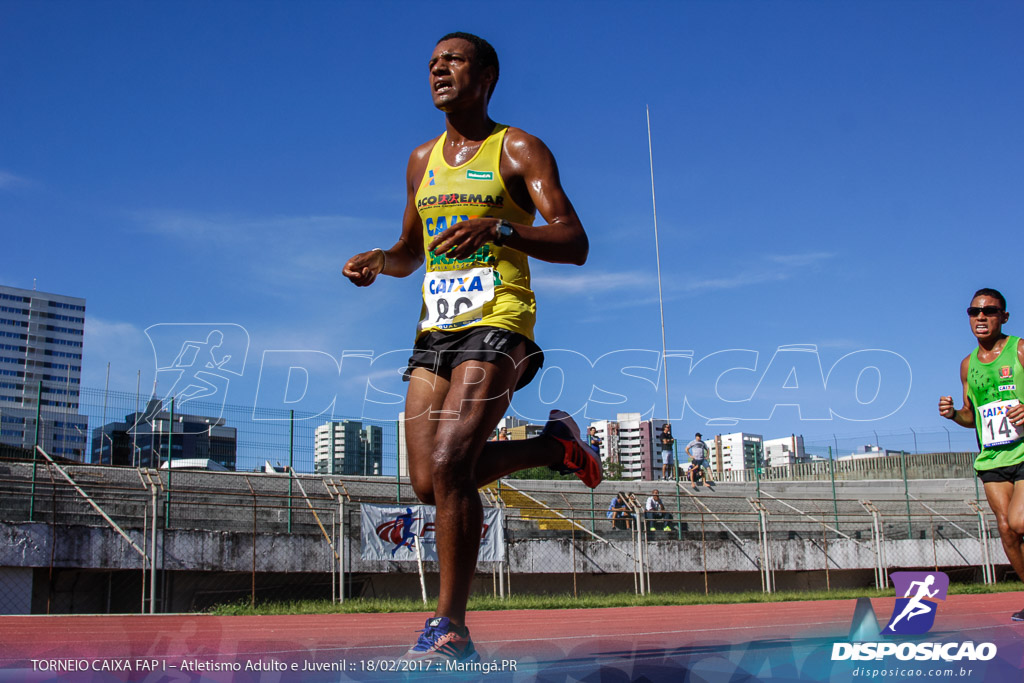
965	415
406	255
528	162
1016	413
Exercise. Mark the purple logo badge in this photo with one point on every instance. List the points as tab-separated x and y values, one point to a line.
914	613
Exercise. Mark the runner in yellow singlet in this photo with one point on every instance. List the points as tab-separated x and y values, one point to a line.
472	194
990	377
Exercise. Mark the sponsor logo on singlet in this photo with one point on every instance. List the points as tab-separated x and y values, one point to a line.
460	198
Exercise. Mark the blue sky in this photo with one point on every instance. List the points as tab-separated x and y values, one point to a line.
839	177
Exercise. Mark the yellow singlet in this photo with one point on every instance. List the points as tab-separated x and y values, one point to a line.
491	287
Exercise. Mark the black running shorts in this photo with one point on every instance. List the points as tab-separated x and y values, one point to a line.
1010	473
440	352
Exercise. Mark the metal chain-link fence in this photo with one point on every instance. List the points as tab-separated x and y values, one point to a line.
120	539
148	527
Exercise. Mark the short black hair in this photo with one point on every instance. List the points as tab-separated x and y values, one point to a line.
994	293
485	53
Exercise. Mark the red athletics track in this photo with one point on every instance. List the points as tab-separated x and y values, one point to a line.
702	643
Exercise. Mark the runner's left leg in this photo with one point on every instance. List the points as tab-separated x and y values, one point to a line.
447	426
1007	502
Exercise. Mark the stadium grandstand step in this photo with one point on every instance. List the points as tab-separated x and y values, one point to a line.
530	509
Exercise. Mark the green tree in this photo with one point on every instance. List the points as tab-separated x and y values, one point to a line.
613	471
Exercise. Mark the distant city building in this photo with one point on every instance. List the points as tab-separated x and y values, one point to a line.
144	439
403	451
738	451
194	464
345	447
789	450
524	431
516	429
870	451
41	369
608	431
510	423
632	444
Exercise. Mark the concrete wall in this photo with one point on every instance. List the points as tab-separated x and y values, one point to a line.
28	545
917	466
95	570
15	590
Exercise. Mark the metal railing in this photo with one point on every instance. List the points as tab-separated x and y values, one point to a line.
213	536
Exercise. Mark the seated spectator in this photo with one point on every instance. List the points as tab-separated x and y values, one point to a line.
655	513
618	512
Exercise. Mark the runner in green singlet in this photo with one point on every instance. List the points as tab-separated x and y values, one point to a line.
993	386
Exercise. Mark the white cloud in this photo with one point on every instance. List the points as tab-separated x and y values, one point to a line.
592	282
123	345
745	279
227	229
276	249
776	268
9	180
800	260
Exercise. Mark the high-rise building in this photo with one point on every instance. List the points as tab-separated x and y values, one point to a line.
738	451
608	432
403	451
631	450
629	444
788	450
345	447
145	439
41	370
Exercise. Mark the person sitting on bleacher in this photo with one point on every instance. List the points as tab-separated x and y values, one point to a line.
655	511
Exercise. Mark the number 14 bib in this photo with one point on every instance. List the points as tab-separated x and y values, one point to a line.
996	428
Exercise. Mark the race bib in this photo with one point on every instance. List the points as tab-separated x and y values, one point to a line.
455	298
996	428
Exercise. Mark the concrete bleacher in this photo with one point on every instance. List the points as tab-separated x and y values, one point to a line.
792	507
229	501
283	529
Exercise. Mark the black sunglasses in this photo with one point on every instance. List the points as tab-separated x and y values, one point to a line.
975	311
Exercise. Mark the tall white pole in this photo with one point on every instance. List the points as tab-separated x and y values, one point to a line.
657	252
103	424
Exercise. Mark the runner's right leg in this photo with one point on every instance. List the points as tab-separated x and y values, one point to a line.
1007	502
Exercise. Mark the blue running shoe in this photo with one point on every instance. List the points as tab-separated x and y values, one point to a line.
580	458
439	641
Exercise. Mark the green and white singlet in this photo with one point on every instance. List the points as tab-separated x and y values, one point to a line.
993	388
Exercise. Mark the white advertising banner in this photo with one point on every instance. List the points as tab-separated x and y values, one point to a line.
391	533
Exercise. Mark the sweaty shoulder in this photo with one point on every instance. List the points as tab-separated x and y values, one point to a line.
418	161
521	148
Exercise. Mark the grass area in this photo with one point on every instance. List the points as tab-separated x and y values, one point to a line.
489	603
